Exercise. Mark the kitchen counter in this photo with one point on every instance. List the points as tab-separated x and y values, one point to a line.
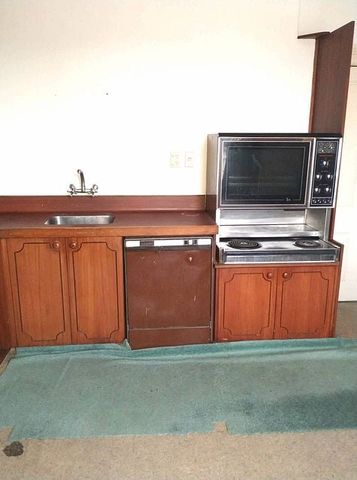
125	224
54	276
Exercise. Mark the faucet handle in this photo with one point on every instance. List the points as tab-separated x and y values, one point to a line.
72	189
94	189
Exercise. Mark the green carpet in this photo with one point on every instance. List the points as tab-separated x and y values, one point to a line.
255	387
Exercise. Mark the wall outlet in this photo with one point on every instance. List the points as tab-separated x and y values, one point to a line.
175	160
189	159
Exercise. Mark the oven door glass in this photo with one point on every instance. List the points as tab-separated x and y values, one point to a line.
265	173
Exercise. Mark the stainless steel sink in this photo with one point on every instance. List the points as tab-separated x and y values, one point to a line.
80	220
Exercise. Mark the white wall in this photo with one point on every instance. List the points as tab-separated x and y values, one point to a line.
346	212
114	86
325	15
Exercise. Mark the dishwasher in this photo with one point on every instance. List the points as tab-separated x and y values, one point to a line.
168	291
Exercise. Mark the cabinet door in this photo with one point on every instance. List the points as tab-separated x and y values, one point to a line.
306	301
96	287
245	303
40	291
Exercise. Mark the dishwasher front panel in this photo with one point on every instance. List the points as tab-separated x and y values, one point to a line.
168	295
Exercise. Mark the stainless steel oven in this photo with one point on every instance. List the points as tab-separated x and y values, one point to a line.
270	171
272	196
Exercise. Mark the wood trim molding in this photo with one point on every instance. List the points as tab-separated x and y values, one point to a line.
114	203
312	36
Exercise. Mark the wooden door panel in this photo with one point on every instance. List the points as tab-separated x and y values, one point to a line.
40	291
332	66
169	288
305	302
245	303
168	296
95	271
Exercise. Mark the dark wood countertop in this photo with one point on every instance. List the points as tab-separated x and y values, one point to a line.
125	224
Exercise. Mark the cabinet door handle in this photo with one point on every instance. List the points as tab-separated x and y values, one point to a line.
73	245
285	275
190	259
56	245
270	275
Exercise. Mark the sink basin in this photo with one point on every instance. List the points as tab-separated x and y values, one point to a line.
80	220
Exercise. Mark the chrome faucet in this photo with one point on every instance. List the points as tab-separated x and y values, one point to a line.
90	191
83	183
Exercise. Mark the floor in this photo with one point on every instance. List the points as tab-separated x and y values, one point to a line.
2	355
321	455
346	324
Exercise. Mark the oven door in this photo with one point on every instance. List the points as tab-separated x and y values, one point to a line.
265	172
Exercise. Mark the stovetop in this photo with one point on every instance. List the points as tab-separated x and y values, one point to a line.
276	250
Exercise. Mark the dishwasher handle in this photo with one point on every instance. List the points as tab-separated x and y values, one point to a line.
147	243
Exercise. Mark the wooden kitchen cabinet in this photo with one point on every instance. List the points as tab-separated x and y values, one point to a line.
262	302
67	290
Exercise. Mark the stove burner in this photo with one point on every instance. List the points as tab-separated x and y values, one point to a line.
307	243
243	244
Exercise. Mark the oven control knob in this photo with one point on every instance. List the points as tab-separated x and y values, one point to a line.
329	176
328	189
317	189
318	176
325	163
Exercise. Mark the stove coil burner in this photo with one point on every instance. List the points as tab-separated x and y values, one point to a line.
307	243
243	244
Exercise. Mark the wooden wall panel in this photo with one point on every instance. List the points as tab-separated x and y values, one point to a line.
101	203
332	65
